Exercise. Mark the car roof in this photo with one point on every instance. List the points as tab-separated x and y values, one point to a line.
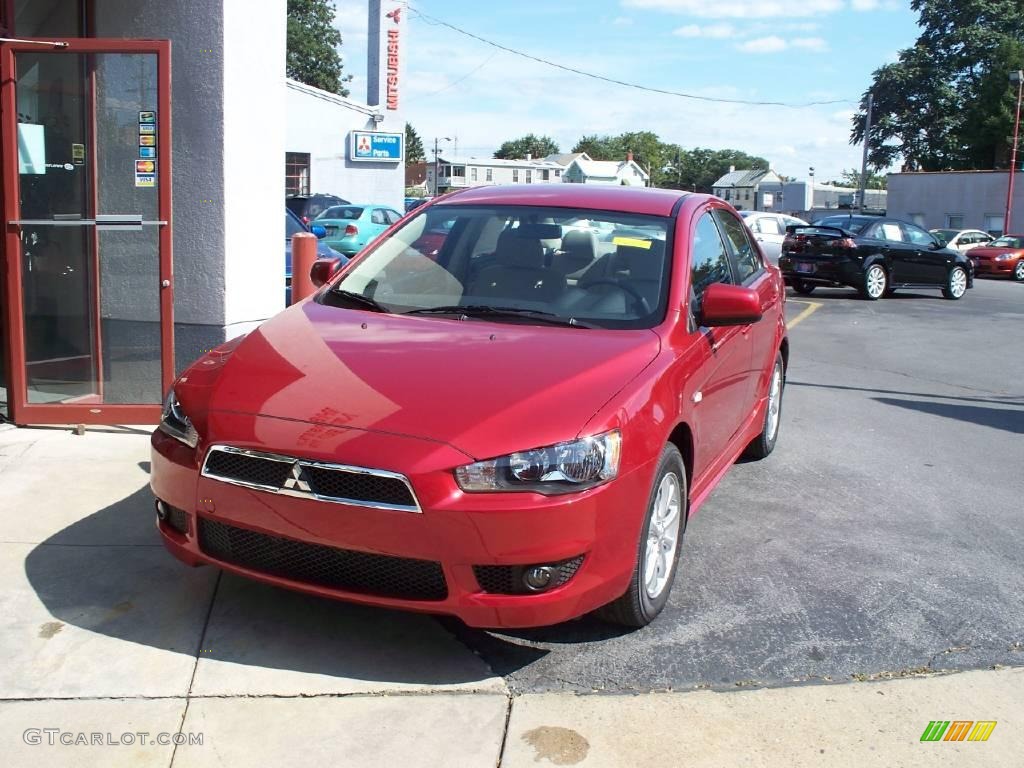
643	200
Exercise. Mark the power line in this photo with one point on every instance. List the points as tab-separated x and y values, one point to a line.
471	72
434	21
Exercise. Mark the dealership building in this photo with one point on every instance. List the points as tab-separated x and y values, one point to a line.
147	147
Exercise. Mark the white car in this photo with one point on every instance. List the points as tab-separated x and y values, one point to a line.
963	239
770	230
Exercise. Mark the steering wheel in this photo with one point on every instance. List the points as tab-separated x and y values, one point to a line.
637	297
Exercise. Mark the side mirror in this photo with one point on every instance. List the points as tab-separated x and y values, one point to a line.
323	270
729	305
319	230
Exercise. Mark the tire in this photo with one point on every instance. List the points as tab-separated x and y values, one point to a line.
764	444
637	607
1018	271
956	284
803	288
874	283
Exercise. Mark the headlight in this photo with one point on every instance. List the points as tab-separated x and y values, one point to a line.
175	423
562	468
1005	257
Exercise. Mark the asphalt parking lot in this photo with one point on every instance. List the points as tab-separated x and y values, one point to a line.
883	537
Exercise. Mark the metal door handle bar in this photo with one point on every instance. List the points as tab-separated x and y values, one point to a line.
100	221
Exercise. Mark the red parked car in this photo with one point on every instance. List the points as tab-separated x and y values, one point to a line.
1003	256
513	430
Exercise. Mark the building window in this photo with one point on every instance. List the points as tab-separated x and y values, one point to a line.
545	175
459	171
296	173
954	221
515	175
994	224
529	177
557	174
490	174
472	174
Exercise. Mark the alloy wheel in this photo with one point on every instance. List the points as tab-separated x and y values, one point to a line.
958	283
1018	271
662	536
774	403
876	281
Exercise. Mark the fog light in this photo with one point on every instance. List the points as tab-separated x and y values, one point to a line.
538	577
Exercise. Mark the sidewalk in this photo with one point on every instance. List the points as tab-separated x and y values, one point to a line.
104	633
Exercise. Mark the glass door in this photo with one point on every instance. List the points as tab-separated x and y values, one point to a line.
87	204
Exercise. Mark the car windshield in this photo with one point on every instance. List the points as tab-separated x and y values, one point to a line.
946	234
292	225
342	212
1007	242
519	264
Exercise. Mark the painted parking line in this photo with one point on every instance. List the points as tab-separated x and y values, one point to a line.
812	307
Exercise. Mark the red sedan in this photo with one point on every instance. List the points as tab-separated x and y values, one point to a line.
1004	256
514	430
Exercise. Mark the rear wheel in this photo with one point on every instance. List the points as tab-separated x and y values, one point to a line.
956	284
1018	271
804	289
658	551
875	283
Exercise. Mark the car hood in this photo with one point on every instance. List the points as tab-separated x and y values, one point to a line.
988	250
485	388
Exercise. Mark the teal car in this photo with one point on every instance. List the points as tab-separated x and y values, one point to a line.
351	227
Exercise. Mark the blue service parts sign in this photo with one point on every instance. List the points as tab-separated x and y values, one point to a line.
375	147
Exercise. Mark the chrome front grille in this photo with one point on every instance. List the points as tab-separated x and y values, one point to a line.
303	478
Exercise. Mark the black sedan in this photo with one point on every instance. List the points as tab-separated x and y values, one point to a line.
874	255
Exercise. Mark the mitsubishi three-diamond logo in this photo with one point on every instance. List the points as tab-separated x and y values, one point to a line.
297	479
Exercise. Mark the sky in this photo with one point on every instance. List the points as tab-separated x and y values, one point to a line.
793	51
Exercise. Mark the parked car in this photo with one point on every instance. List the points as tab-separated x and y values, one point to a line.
770	230
962	240
415	202
308	207
480	435
1003	256
874	255
351	227
323	251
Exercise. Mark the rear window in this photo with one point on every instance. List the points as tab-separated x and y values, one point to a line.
342	212
844	222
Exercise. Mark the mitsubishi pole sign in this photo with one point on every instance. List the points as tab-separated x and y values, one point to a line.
375	147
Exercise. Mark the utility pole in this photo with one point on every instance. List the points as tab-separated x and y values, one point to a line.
864	159
1015	77
437	161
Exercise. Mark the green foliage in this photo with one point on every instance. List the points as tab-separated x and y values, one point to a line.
535	146
851	178
947	103
669	165
413	146
313	42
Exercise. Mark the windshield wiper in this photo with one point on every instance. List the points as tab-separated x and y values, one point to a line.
485	310
359	298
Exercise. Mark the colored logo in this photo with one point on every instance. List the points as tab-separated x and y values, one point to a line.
395	15
145	166
147	141
958	730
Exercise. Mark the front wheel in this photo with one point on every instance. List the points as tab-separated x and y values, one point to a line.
658	553
1018	271
764	443
956	284
804	289
876	281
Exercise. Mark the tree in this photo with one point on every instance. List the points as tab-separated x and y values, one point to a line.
851	178
313	42
535	146
413	146
946	103
698	169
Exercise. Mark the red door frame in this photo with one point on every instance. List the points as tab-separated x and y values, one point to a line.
21	412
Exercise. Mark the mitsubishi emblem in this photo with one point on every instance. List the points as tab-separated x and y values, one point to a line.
297	481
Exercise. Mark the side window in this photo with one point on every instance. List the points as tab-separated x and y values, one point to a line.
709	262
755	225
890	231
392	216
770	225
377	216
745	255
917	236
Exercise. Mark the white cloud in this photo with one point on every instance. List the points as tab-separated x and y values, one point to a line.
864	5
770	44
815	44
622	21
740	9
713	31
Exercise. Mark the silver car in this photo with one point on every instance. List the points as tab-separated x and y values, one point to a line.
770	230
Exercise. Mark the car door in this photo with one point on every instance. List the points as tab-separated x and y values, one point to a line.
892	244
926	262
720	401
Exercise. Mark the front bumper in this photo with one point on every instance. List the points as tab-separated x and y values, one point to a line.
455	529
1001	268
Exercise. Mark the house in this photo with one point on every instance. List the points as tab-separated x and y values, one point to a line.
416	177
956	199
743	188
456	173
582	170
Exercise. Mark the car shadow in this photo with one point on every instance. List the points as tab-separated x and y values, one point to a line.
1008	420
1003	400
851	294
250	624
